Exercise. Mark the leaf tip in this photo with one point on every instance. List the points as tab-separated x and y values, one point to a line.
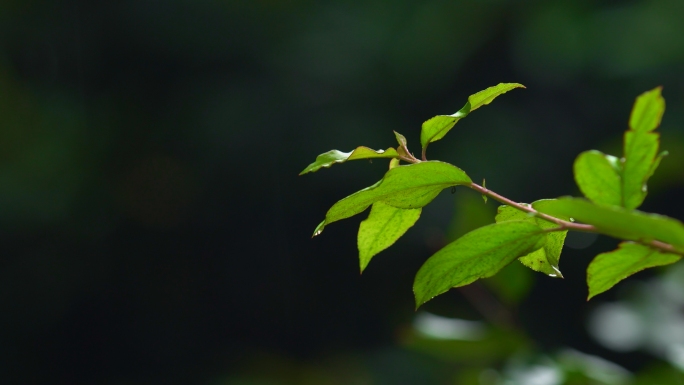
420	299
362	266
305	171
557	273
319	229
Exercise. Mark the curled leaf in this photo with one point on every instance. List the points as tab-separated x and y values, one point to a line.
331	157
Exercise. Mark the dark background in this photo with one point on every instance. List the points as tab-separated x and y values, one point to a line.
154	230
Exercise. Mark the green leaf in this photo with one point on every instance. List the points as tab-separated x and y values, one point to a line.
331	157
604	179
384	225
607	269
486	96
479	254
641	146
640	162
400	139
598	177
407	187
546	259
648	110
435	128
618	222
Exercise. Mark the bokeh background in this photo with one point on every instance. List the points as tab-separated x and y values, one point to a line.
154	230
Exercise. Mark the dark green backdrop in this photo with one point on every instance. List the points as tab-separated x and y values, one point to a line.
153	229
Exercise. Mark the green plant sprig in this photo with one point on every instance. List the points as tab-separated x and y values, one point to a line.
533	233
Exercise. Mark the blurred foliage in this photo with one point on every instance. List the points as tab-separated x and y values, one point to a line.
153	227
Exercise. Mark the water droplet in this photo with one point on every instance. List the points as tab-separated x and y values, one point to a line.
319	229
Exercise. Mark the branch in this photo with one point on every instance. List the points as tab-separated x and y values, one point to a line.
565	225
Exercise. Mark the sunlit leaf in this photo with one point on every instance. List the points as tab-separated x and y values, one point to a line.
478	254
640	162
546	259
607	269
598	177
331	157
647	111
618	222
384	225
486	96
641	147
435	128
408	187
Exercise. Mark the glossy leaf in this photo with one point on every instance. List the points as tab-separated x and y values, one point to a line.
435	128
384	225
639	164
407	187
607	269
618	222
546	259
599	177
648	111
479	254
331	157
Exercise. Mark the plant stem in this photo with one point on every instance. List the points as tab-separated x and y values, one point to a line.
562	224
409	160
